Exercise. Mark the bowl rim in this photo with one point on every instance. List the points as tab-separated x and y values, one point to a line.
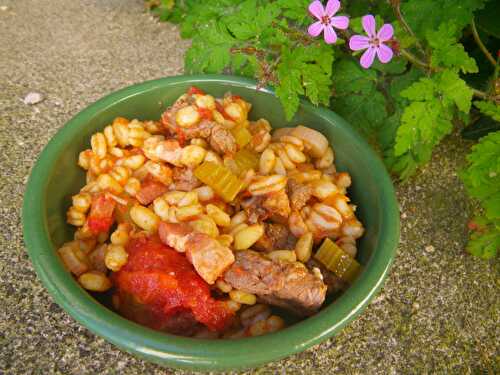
182	352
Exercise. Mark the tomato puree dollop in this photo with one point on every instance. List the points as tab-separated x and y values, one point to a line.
159	288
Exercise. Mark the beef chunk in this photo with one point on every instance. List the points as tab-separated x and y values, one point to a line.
276	237
222	141
299	194
278	206
288	285
254	210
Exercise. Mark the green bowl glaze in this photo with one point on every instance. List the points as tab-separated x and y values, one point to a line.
56	177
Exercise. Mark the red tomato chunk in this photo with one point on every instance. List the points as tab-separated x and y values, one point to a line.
158	287
205	113
193	90
100	218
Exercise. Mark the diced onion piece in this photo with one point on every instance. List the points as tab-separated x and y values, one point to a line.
219	178
338	261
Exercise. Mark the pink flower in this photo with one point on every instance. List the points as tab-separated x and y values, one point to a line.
326	20
373	43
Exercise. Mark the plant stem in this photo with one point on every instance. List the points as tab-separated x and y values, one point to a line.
479	93
399	15
483	95
414	60
480	44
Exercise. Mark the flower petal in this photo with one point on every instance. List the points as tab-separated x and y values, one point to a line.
315	29
329	35
368	22
358	42
316	9
367	58
332	7
384	53
385	33
340	22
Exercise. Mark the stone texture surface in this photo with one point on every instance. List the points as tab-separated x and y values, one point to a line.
437	313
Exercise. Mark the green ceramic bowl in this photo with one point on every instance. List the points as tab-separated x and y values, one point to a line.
56	177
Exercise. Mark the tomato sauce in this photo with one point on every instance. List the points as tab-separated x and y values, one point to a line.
159	288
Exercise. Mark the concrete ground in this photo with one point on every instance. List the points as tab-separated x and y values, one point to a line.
437	313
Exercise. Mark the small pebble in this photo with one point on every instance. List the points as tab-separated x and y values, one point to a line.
33	98
403	215
429	249
3	8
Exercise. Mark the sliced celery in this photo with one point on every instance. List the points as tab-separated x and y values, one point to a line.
246	159
219	178
338	261
241	135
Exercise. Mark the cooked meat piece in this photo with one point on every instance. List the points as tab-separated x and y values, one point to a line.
280	236
150	191
208	257
222	141
278	206
201	130
299	194
276	237
184	179
285	284
254	210
334	283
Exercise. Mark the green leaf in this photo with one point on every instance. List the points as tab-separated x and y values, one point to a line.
348	77
387	132
489	109
454	89
481	178
424	15
447	52
487	19
210	50
484	244
316	84
357	97
365	112
405	39
395	66
163	9
304	70
400	83
424	89
288	92
295	10
482	175
422	127
427	119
